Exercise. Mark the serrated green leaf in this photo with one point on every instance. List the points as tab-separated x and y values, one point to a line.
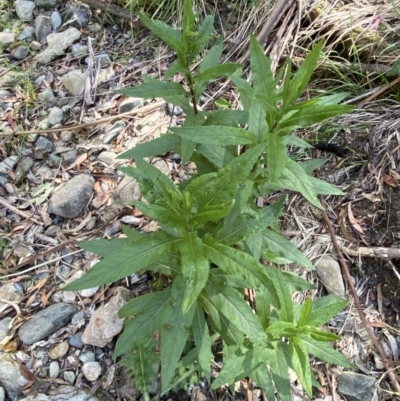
234	261
286	303
231	303
262	377
166	33
263	307
218	71
181	101
188	146
158	146
244	226
212	213
174	333
283	247
297	283
325	309
104	247
280	371
149	319
216	135
253	244
213	56
217	155
310	165
132	234
301	363
231	280
188	18
326	353
263	80
227	117
321	335
301	181
257	121
276	156
293	140
204	35
324	188
245	90
154	89
202	341
195	268
128	260
305	313
176	67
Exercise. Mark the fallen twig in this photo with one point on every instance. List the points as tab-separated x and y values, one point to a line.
381	91
375	252
19	212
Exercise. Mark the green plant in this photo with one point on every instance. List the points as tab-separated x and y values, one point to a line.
213	236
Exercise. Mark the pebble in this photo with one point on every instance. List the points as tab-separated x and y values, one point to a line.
113	132
47	96
59	350
2	394
7	38
161	165
8	164
55	116
87	356
9	375
9	292
45	322
27	34
107	157
173	110
69	376
24	9
43	146
35	46
91	370
4	324
129	104
54	369
71	199
329	272
66	136
56	20
356	387
20	52
42	28
46	4
86	293
76	340
22	169
69	156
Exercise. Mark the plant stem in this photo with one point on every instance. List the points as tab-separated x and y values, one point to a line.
189	80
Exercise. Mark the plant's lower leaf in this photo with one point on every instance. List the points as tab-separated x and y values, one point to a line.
227	117
245	90
324	188
293	140
188	147
296	283
217	155
301	363
280	371
128	260
325	308
104	247
276	156
262	377
257	121
253	244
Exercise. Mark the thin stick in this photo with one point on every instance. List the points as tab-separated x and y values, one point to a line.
142	110
19	212
374	252
390	85
385	358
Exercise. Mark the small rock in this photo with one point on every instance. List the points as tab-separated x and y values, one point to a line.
46	4
91	370
56	20
24	9
129	104
57	44
8	164
4	94
4	324
105	324
173	110
77	16
45	322
2	394
87	356
95	27
42	28
9	375
43	146
9	292
27	34
74	81
69	156
126	191
328	270
102	58
7	38
71	199
55	116
66	136
79	50
54	369
23	167
356	387
76	340
59	350
20	52
113	132
69	376
87	293
47	96
161	165
35	46
107	157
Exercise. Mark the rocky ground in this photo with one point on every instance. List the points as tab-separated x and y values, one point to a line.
59	185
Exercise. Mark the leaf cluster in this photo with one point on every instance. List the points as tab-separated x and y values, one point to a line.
213	236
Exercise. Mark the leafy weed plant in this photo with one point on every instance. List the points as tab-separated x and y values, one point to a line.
213	235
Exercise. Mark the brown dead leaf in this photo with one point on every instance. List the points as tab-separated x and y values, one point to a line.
354	222
100	200
78	161
395	175
10	121
343	229
28	375
387	179
9	345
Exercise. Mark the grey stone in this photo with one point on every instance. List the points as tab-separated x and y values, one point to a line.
173	110
47	96
66	136
43	146
9	292
56	20
91	370
69	156
42	28
76	340
161	165
57	44
103	59
13	77
24	165
129	104
20	52
113	132
46	322
54	369
8	164
74	81
2	394
9	375
77	16
4	323
46	4
105	324
95	27
24	9
356	387
27	34
328	271
6	38
59	350
71	199
4	94
79	50
35	46
87	356
107	157
55	116
87	293
127	190
69	377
